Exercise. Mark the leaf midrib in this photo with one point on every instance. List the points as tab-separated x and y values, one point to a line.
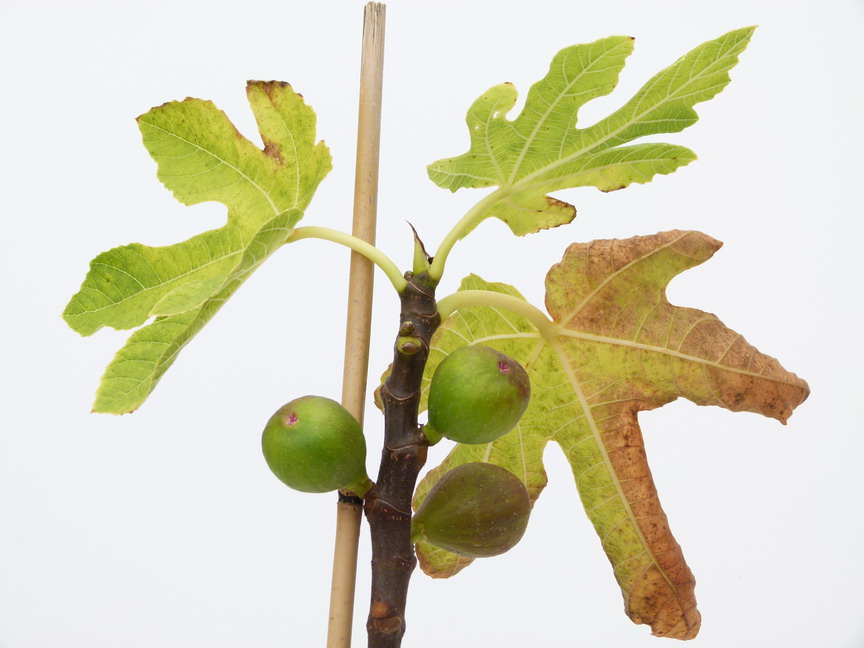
543	184
144	290
624	126
529	140
595	432
562	331
669	352
233	281
236	169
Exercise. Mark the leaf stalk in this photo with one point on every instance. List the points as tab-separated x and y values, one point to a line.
360	246
468	222
468	298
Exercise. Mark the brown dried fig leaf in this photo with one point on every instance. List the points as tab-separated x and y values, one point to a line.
617	347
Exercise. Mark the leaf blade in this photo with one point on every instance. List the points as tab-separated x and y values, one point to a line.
150	351
542	150
125	283
665	103
200	156
616	350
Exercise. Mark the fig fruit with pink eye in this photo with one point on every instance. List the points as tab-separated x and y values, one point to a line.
477	395
314	445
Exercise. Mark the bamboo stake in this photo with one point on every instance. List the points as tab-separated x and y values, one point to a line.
349	509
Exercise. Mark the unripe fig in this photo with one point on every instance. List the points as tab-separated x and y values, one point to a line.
313	444
477	394
475	510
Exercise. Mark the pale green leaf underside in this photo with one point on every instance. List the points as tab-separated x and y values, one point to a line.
542	151
147	354
126	285
618	348
200	157
187	296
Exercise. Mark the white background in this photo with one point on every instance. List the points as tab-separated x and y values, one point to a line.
164	527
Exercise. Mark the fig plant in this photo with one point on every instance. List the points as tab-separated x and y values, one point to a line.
610	346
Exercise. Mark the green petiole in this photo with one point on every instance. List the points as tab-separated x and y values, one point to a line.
467	298
360	246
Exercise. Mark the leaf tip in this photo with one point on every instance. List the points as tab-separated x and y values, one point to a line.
615	188
67	317
161	106
97	409
269	87
746	33
100	407
166	104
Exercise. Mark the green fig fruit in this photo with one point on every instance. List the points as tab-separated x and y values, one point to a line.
477	395
314	445
475	510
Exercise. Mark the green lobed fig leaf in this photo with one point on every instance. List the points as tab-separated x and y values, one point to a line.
152	349
542	151
615	347
314	445
200	157
475	510
477	394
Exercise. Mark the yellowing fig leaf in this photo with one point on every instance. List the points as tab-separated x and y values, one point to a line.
542	151
614	347
201	157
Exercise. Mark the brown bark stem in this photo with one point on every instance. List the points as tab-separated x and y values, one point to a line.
388	504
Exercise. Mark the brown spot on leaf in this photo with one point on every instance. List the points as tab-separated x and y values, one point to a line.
272	150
